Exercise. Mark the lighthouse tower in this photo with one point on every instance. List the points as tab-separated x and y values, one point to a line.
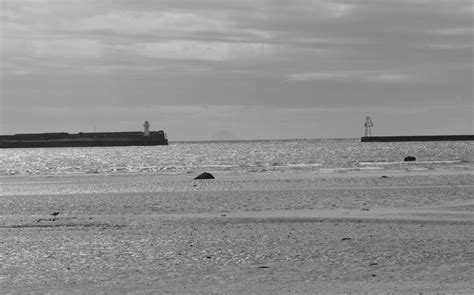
147	128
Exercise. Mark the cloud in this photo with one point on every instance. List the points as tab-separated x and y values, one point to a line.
448	46
319	9
193	50
31	39
245	21
131	54
361	76
151	22
66	48
24	56
458	31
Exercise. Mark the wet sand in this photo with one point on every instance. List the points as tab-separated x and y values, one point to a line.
300	233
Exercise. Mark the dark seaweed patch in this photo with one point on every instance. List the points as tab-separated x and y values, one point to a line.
57	225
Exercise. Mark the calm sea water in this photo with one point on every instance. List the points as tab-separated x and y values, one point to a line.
270	156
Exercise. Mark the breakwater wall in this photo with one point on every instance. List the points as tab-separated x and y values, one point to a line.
417	138
46	140
81	143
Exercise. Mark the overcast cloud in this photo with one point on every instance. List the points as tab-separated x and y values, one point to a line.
205	69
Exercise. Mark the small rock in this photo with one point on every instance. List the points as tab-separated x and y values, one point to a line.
263	266
409	159
55	213
346	239
208	257
385	176
374	275
374	263
205	175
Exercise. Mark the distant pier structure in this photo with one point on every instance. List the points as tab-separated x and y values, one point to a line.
85	139
464	137
369	138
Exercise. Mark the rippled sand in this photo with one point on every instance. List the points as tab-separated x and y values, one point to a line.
281	233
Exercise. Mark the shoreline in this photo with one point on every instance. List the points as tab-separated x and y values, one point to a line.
226	175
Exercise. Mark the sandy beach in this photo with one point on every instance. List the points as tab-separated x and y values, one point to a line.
358	233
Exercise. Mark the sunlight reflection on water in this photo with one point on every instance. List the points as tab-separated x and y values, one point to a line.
238	156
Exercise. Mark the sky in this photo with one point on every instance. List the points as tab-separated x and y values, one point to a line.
237	69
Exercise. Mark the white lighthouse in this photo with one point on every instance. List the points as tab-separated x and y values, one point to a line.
147	128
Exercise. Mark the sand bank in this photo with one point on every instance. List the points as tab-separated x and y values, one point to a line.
408	233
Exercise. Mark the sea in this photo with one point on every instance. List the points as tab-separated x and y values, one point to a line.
252	156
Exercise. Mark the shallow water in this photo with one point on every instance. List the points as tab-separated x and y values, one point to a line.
271	156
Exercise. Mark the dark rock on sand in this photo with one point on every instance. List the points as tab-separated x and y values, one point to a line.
409	159
205	175
385	176
346	239
55	213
